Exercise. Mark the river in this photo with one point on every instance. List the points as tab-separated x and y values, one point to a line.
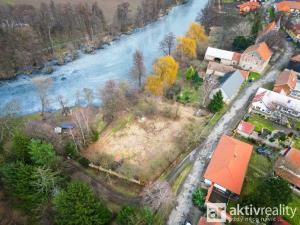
112	62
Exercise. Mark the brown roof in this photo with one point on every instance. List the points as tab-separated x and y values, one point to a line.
220	67
229	164
246	127
296	58
286	77
262	50
288	166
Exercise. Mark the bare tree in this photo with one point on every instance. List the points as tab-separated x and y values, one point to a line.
113	100
138	70
88	95
168	43
42	85
156	194
12	108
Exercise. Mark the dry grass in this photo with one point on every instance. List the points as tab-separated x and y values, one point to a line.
145	148
108	6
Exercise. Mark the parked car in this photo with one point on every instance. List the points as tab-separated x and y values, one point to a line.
265	152
187	223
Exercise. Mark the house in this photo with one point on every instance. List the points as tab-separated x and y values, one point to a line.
286	82
275	106
294	64
245	129
227	168
280	221
287	6
231	86
222	56
256	57
248	7
292	28
203	221
273	26
288	166
218	69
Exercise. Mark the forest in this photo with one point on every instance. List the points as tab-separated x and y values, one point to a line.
32	35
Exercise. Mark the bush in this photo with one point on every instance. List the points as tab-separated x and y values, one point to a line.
240	43
84	162
94	135
198	198
130	215
173	91
20	143
70	150
216	103
184	97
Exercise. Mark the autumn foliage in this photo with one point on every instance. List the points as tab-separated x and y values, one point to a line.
187	47
164	75
197	32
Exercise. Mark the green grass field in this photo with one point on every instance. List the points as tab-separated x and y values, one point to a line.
260	122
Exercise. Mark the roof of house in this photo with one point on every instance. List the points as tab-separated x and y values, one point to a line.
262	50
219	67
233	84
286	77
288	166
286	6
246	127
296	58
245	73
219	53
252	5
203	221
229	164
270	27
280	221
267	98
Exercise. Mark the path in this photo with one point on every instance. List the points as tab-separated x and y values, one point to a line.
78	173
225	125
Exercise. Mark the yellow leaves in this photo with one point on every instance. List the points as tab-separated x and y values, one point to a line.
197	32
187	47
164	75
155	85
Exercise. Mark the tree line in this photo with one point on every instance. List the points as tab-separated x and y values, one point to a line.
30	35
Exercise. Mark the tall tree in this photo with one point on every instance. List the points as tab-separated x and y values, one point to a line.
42	85
186	48
77	205
168	43
138	69
216	103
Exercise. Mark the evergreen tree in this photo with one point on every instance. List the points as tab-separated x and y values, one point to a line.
77	205
216	103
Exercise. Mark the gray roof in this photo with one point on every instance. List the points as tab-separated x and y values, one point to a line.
232	85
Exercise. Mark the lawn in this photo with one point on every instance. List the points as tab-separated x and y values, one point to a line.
254	76
180	178
297	143
260	122
269	86
295	204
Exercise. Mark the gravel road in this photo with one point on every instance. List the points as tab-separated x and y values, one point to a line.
225	125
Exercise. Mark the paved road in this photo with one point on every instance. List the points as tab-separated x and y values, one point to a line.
225	125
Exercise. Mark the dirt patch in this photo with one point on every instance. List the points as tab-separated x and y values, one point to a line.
145	147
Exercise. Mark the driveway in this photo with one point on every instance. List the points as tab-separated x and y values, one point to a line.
228	122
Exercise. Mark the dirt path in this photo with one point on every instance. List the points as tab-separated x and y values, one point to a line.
77	173
225	125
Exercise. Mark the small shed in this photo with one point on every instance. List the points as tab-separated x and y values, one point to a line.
67	125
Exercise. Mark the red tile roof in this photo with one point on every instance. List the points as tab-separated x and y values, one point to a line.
246	127
286	81
262	50
288	166
245	73
280	221
237	56
286	6
248	6
203	221
229	164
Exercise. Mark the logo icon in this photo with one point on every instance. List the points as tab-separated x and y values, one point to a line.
216	212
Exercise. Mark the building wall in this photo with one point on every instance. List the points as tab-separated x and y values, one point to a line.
250	61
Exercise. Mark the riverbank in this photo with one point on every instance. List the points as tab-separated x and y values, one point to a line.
62	53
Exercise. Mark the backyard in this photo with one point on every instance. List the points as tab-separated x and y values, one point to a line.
260	122
142	148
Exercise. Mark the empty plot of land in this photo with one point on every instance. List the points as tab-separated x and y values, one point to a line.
145	147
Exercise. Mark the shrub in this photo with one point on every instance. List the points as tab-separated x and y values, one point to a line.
70	150
173	91
216	103
130	215
20	143
84	162
198	198
184	97
94	135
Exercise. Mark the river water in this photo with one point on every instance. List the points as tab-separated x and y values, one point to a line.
112	62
